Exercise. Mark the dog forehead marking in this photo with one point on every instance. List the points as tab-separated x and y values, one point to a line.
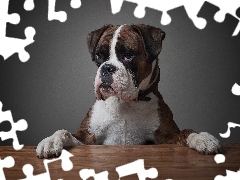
113	56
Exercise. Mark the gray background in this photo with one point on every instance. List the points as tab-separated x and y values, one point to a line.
54	89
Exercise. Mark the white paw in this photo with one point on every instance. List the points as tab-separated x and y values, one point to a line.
204	143
52	146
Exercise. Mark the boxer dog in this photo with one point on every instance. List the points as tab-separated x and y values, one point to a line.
129	109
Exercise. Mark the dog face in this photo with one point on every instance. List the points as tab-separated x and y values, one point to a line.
126	57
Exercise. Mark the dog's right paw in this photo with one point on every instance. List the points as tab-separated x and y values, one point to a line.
204	143
52	146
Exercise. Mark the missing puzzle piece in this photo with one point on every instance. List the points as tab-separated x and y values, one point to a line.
7	162
230	175
87	173
20	125
227	8
192	9
66	166
9	46
137	167
60	15
228	132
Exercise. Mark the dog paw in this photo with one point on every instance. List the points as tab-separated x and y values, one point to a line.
52	146
204	143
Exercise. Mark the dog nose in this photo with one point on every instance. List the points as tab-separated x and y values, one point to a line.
108	68
106	73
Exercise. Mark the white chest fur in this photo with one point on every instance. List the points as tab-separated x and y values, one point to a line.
115	121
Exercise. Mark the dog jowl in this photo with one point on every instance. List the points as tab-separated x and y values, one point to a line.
129	109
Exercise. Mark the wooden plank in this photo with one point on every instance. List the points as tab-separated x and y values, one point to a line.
172	161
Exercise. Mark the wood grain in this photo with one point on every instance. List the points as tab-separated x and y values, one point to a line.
172	161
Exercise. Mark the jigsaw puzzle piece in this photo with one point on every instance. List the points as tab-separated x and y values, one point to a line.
192	8
5	17
230	175
231	22
53	15
225	8
66	164
137	167
7	162
9	46
20	125
208	12
87	173
13	45
60	15
228	132
224	13
140	11
28	171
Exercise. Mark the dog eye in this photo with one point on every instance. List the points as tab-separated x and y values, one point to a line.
98	56
128	56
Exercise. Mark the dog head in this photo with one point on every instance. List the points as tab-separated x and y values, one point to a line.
127	59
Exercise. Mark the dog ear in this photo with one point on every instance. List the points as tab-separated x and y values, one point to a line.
94	37
152	38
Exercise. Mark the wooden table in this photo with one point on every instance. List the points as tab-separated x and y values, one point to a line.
171	161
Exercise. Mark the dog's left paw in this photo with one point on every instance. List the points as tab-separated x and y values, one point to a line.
204	143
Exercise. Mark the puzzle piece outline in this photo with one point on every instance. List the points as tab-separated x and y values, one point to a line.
230	175
137	167
228	132
52	14
8	45
60	15
66	164
7	162
216	16
192	8
220	158
20	125
87	173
